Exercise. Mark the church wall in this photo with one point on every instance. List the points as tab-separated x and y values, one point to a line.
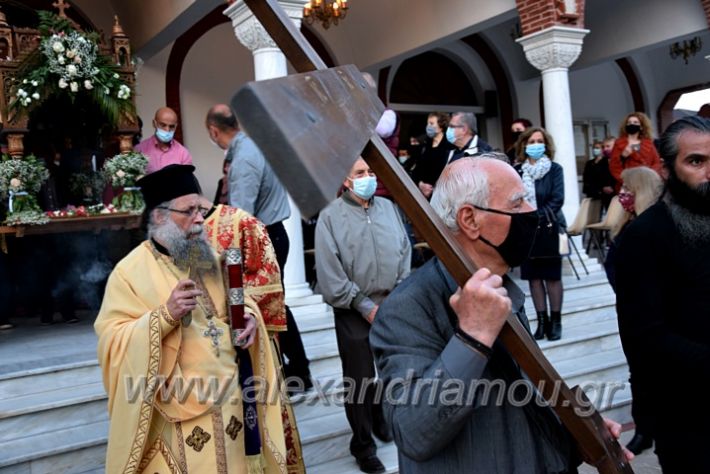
205	82
150	89
600	92
100	12
618	27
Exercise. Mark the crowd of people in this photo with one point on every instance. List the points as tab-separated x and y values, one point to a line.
166	310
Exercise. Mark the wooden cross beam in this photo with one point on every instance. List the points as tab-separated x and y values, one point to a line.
577	413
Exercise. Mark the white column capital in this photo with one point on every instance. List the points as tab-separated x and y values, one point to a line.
248	29
557	47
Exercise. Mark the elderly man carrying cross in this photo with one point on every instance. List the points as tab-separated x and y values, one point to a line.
454	397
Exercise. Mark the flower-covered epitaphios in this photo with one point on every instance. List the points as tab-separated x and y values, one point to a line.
70	62
20	181
122	171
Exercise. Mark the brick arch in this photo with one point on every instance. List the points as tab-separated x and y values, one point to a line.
537	15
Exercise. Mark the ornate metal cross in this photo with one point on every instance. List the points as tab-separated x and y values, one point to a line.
214	333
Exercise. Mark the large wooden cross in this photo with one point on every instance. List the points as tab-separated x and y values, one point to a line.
290	119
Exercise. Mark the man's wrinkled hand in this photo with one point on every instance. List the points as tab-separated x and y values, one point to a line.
482	306
183	299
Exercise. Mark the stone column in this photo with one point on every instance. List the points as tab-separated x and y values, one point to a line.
270	63
553	51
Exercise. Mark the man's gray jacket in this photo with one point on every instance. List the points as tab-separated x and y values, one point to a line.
442	421
361	254
253	185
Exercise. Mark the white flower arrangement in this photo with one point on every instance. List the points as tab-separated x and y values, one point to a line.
20	180
70	61
60	49
123	171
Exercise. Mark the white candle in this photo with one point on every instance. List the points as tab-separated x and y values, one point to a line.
93	162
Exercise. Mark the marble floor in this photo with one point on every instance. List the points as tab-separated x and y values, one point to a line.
30	346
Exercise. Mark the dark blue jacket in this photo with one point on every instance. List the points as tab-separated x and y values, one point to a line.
468	150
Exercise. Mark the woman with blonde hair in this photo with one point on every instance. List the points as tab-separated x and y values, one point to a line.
634	147
641	189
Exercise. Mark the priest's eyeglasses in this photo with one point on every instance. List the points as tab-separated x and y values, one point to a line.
190	212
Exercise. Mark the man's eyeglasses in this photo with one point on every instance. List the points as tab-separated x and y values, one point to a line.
190	212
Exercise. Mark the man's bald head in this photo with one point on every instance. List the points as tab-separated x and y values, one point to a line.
222	117
165	123
166	113
221	125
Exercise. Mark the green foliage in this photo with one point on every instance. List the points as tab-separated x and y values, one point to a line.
125	169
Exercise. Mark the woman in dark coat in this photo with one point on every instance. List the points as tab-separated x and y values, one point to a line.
435	154
545	189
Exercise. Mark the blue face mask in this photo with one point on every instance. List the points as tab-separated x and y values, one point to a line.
430	131
365	187
450	135
163	135
535	150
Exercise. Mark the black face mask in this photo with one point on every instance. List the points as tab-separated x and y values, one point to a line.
516	247
632	128
516	135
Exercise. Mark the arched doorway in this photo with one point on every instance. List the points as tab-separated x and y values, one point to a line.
427	82
681	102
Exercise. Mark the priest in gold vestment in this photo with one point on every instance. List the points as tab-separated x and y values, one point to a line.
175	398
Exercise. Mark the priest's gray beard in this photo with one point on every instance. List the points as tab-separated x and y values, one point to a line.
694	228
189	250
